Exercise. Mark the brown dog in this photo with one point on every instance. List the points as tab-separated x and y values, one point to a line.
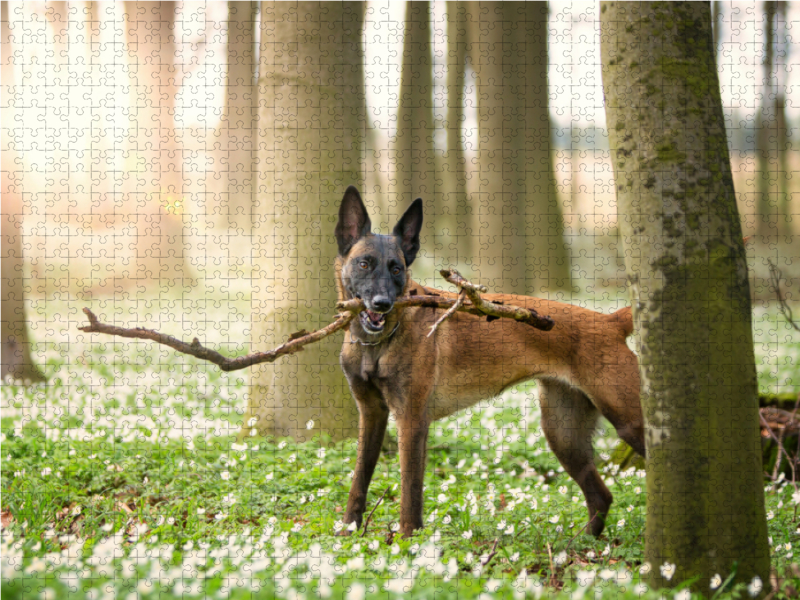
583	366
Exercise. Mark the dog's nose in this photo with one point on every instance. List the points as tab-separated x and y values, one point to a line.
381	303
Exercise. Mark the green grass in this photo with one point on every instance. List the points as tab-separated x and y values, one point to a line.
123	475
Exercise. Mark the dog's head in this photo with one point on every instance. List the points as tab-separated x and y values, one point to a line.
374	268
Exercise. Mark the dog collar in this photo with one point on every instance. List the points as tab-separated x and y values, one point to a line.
355	339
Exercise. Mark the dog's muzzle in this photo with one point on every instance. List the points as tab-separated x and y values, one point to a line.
371	321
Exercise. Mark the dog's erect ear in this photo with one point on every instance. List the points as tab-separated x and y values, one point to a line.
408	228
353	222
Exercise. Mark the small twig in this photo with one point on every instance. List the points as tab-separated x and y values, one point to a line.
781	449
458	303
552	565
581	530
366	523
786	311
491	554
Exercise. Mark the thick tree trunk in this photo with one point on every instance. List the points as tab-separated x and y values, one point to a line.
453	210
517	224
14	343
154	203
238	120
547	256
498	190
688	278
414	160
311	122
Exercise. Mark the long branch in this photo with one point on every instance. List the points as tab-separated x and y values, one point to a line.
350	308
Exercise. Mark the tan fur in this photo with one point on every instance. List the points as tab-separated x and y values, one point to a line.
583	363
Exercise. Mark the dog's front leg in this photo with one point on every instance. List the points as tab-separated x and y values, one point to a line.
373	417
412	430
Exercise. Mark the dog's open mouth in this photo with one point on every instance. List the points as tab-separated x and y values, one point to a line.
372	322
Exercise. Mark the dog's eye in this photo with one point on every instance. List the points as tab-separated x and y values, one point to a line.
397	271
364	264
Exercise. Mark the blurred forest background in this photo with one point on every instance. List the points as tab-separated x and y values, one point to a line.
182	156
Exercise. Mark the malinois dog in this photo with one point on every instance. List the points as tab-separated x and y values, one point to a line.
583	365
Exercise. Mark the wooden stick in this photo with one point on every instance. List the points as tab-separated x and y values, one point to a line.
351	308
491	309
294	344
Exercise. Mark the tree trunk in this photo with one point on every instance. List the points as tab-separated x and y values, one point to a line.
311	121
154	204
238	120
517	224
453	212
547	256
414	160
16	358
688	279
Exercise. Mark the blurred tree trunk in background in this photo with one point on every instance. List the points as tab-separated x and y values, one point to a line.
311	122
414	159
154	205
771	138
16	353
238	120
547	256
518	231
453	215
687	273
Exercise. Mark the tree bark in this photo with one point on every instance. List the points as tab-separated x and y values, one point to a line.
311	122
238	120
16	358
414	161
453	213
547	256
688	279
517	223
154	205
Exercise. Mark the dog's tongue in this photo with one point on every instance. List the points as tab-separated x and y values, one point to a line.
374	317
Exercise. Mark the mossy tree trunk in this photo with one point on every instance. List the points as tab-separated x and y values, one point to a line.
688	279
414	160
311	123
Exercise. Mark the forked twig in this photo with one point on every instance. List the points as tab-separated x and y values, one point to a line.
350	308
459	302
775	277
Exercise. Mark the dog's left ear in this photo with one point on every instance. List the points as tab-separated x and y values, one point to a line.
408	228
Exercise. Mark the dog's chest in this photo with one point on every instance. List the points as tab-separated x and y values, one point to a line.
367	363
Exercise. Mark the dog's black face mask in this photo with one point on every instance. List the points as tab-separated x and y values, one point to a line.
374	267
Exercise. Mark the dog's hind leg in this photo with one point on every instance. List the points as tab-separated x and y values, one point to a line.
568	421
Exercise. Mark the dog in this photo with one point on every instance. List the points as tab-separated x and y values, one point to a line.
583	365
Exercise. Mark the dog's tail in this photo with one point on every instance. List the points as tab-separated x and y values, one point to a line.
624	317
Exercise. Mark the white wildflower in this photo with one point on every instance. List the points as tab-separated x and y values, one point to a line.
667	570
755	587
